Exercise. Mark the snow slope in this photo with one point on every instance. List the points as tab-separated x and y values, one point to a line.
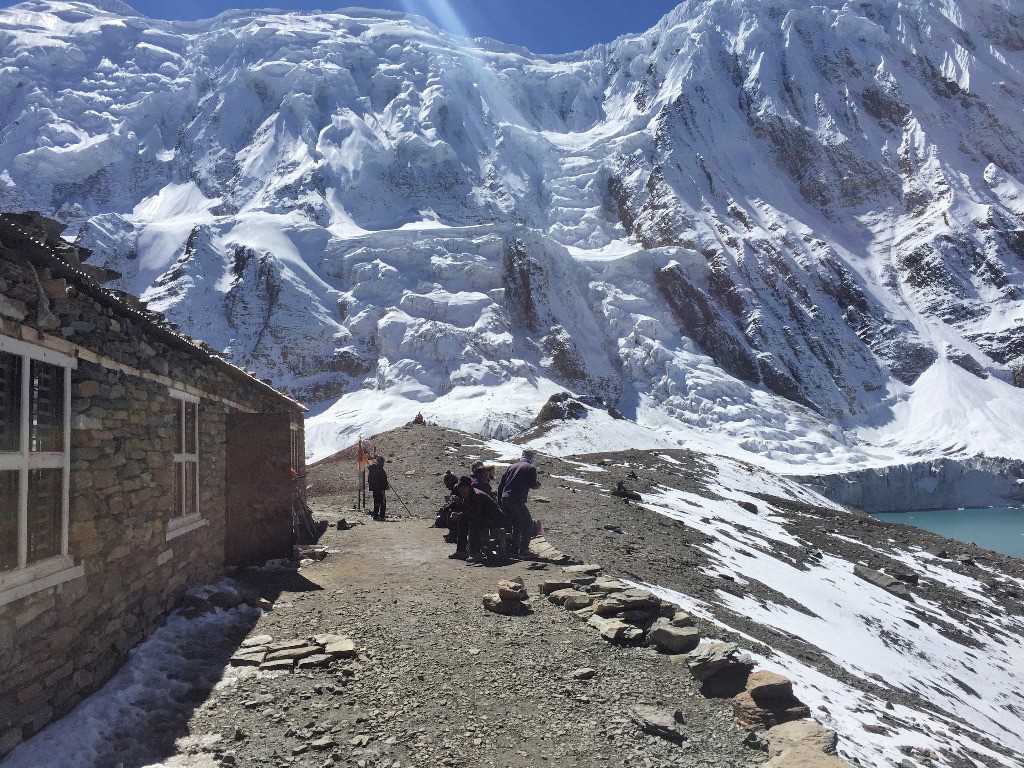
790	231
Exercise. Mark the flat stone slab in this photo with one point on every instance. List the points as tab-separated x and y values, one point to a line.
615	630
253	659
316	661
342	648
554	585
294	654
278	665
257	640
327	639
607	586
664	723
283	645
559	596
591	569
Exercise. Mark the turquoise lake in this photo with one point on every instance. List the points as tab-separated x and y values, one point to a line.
1001	530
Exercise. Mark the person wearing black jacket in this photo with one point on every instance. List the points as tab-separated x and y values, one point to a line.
515	485
478	511
377	482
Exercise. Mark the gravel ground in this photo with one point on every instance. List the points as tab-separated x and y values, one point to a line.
440	681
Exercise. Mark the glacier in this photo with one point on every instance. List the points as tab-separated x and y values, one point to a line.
791	234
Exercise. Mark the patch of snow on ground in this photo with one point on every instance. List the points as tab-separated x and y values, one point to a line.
154	693
865	630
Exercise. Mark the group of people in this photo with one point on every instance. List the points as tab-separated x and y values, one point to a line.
476	507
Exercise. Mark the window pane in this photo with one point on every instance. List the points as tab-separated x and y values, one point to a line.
179	445
190	487
10	402
8	520
178	472
45	513
46	419
191	415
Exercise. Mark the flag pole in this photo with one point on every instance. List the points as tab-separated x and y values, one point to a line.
360	454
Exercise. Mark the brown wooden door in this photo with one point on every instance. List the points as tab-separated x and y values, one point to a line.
259	488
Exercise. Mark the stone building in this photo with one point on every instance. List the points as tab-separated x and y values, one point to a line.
134	464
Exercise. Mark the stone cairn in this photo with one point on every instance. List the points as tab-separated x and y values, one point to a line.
509	600
761	700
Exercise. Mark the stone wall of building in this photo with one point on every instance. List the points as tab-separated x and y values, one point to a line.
65	641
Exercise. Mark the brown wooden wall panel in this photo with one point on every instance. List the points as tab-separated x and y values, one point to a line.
259	488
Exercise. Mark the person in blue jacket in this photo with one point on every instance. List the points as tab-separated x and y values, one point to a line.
513	488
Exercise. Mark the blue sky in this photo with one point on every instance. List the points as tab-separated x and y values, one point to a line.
543	26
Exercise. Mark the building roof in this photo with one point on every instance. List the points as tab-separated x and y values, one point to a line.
37	238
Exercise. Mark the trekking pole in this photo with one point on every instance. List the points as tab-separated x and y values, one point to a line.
407	510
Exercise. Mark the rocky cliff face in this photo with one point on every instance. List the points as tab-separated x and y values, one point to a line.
757	220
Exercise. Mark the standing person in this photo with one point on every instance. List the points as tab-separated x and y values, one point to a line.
377	482
514	487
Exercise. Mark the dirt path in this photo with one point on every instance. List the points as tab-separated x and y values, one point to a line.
438	680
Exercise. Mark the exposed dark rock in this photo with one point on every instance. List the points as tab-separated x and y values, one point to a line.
561	406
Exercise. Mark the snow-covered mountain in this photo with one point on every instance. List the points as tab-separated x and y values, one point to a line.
786	231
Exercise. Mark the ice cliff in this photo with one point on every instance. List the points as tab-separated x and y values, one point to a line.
792	233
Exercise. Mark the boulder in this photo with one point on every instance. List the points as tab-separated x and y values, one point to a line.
805	756
767	702
495	604
578	601
769	686
615	630
559	596
806	732
511	590
664	723
681	619
554	585
625	600
888	583
669	639
711	657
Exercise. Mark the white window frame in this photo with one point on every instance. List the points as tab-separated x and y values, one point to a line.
26	579
180	523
